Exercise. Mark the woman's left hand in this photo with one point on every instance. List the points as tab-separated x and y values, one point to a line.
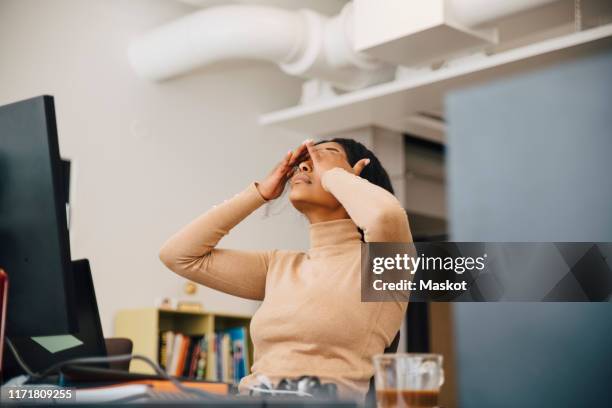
324	160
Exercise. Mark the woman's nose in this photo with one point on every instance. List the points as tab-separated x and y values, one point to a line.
305	167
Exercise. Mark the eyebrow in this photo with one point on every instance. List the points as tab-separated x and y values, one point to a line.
306	156
330	148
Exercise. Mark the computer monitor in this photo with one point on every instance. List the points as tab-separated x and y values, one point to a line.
34	244
42	352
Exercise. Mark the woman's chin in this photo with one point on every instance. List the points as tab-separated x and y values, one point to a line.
300	195
297	193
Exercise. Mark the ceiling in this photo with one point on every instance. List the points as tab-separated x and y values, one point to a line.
329	7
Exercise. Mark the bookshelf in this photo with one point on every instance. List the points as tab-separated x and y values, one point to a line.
145	326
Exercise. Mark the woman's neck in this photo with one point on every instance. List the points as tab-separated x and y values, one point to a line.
317	215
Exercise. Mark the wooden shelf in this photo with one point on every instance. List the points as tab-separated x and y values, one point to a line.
387	104
143	327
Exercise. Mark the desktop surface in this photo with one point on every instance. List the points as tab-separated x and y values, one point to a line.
151	397
239	402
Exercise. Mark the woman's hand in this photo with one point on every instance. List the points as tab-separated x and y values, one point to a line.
274	184
326	159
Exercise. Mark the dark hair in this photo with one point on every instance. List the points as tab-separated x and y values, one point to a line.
374	172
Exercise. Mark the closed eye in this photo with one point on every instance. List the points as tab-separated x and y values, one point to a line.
331	149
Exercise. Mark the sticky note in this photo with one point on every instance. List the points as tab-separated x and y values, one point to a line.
53	344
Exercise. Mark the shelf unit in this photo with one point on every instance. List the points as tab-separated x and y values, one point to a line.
143	327
388	105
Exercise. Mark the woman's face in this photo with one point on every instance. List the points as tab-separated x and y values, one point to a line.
306	188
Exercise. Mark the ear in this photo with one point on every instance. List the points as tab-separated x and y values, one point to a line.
359	166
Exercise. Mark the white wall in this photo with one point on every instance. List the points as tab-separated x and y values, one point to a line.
148	157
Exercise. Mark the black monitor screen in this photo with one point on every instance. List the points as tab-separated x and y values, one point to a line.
34	244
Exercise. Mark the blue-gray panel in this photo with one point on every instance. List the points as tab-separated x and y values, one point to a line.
530	159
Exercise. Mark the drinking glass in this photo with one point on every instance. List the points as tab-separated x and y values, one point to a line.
407	380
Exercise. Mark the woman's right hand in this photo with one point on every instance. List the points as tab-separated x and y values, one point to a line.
273	185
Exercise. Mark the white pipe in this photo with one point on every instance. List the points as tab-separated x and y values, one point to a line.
215	34
475	12
303	43
330	55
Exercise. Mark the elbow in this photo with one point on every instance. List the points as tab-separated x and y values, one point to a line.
169	257
391	215
166	256
177	261
390	224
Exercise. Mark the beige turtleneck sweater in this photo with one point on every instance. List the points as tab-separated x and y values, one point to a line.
311	320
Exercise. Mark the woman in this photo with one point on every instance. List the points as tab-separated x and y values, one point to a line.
311	320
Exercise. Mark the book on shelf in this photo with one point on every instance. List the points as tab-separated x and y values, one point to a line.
220	356
239	351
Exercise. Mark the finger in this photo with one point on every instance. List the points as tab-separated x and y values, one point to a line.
302	157
297	153
288	164
360	165
290	173
289	158
314	155
283	166
300	153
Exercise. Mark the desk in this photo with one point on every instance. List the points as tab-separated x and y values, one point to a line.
239	402
145	395
255	402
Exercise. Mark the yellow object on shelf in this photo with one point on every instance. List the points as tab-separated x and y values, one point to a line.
188	306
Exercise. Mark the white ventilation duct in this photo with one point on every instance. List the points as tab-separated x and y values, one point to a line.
304	43
475	12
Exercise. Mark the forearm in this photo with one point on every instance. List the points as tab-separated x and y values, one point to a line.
201	235
191	252
375	210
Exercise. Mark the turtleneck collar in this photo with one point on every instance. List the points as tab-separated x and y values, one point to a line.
332	233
